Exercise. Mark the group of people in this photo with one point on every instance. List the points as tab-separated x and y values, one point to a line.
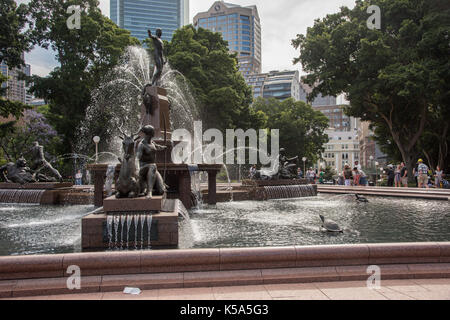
396	176
353	177
313	176
423	176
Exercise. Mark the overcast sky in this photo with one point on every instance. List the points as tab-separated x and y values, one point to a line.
281	21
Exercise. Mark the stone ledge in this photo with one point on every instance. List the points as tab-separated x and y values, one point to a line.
36	185
157	261
110	283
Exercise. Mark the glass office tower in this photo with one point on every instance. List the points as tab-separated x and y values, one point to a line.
139	15
241	27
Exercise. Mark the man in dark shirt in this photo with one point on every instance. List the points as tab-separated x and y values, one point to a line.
391	175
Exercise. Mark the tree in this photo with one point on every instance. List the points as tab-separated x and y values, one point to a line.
13	42
221	92
301	127
35	127
85	56
394	77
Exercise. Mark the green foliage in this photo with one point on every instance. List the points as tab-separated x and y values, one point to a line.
394	77
329	173
33	127
223	96
301	127
13	41
85	56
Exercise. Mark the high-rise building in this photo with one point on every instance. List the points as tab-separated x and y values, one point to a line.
275	84
16	88
138	16
320	100
241	27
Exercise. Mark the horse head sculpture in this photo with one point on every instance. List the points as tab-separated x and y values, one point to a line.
127	183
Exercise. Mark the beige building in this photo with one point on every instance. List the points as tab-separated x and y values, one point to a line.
16	89
241	27
343	146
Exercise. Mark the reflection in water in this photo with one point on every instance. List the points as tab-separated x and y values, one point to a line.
297	222
34	229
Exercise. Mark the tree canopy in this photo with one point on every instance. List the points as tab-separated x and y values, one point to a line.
13	43
85	56
302	129
395	77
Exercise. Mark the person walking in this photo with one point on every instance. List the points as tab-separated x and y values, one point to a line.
397	177
310	175
78	178
321	176
422	170
404	175
438	177
348	175
299	173
363	179
356	176
391	175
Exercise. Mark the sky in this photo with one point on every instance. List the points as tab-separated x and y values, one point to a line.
281	21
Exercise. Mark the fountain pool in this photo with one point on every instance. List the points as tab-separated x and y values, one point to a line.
296	222
32	229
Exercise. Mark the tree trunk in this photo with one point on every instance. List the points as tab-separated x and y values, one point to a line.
443	148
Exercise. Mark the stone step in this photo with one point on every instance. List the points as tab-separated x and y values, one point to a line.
113	283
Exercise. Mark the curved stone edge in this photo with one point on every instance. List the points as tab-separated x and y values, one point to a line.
224	259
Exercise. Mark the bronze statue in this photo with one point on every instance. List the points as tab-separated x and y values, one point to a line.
17	172
148	100
287	169
149	177
158	55
127	185
39	163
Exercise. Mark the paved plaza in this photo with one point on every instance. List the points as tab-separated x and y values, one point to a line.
417	289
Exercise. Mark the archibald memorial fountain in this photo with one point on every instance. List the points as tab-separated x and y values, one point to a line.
148	198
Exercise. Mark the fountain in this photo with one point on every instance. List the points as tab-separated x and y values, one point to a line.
147	203
279	182
28	185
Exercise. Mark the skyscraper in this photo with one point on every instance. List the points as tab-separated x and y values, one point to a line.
138	16
241	27
16	88
275	84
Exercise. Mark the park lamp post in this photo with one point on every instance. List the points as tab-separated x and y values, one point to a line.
96	140
371	163
376	173
304	166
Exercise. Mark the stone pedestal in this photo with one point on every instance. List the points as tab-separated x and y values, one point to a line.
159	112
124	205
163	229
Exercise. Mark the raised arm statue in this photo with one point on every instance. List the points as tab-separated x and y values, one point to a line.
158	46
